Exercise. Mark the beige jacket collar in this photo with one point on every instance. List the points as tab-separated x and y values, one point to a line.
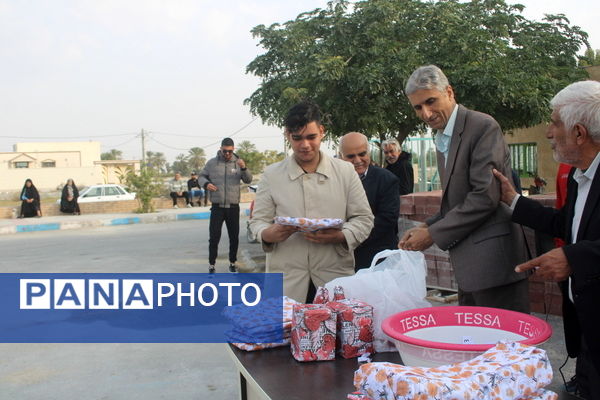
324	168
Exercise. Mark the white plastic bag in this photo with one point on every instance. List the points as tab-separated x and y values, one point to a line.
397	284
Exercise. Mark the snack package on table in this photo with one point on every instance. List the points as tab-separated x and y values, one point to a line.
242	324
322	296
354	327
338	293
508	371
313	333
310	224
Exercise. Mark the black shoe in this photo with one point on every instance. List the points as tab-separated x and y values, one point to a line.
233	268
211	269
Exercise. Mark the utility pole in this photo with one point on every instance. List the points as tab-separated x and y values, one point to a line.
143	149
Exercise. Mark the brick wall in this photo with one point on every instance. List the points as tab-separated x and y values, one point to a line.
109	207
417	207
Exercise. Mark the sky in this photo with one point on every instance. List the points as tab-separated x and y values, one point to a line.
79	70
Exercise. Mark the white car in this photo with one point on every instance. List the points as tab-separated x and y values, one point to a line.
108	192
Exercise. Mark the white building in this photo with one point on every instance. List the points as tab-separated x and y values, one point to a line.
50	164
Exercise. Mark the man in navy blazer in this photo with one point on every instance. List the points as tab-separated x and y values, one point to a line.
382	188
574	133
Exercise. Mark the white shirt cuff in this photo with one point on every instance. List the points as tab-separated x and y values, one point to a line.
514	202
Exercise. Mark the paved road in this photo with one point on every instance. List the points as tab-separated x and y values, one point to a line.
168	247
135	371
117	371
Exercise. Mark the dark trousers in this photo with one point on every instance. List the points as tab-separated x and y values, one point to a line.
514	296
231	217
588	378
174	196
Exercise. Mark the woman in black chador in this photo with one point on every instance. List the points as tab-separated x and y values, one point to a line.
30	205
68	200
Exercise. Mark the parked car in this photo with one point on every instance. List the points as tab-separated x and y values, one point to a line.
107	192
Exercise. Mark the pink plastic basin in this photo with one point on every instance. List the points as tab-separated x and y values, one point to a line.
429	337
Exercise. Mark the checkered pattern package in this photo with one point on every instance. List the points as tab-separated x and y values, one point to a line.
508	371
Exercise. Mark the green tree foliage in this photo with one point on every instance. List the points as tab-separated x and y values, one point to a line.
354	61
181	165
146	185
156	161
591	57
247	151
196	158
113	154
272	156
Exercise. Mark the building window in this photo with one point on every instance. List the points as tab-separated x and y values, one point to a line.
49	164
21	164
524	159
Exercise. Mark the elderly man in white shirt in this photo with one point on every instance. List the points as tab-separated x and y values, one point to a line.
574	133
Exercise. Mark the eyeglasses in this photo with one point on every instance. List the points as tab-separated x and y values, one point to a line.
227	151
351	156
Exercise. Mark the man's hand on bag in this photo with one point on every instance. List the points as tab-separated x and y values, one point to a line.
508	192
325	236
550	266
211	187
416	239
278	233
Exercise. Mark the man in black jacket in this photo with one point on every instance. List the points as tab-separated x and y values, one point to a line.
574	133
194	189
381	187
400	164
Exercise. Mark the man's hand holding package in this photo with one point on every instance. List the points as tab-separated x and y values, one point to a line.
325	236
416	239
278	233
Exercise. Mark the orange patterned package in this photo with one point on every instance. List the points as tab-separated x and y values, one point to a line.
310	224
508	371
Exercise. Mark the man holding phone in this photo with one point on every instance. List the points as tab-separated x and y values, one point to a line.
221	177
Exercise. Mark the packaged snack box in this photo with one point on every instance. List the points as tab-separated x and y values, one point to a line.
354	327
313	332
322	296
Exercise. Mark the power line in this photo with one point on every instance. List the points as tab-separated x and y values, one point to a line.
205	137
120	144
166	145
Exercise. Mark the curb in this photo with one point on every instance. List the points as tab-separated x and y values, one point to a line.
95	223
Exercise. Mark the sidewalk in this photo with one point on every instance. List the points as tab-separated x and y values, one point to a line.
72	222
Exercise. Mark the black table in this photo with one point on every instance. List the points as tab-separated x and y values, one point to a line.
273	374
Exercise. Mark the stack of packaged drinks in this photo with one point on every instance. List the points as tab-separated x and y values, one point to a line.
320	328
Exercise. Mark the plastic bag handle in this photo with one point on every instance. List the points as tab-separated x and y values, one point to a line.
384	254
